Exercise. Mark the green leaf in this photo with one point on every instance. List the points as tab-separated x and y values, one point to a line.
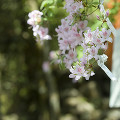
95	3
46	3
59	3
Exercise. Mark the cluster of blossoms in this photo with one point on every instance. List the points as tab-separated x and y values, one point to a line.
34	21
70	36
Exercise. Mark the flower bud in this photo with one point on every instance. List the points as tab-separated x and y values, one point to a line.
107	13
97	16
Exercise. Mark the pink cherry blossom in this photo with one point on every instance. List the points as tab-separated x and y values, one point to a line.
93	52
43	33
105	33
70	36
72	6
72	55
89	36
82	25
77	72
39	32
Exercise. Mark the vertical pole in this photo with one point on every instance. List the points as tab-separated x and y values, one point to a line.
115	85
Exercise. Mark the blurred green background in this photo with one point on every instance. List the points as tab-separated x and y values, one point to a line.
29	93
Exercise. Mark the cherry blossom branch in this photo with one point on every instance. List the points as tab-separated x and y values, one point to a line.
73	33
92	11
35	19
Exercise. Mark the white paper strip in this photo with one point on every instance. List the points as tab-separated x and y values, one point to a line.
108	72
111	27
102	59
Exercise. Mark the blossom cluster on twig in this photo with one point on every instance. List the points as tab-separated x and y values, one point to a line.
72	34
41	33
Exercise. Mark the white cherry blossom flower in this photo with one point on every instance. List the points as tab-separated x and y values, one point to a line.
72	55
73	7
82	25
34	17
89	36
77	72
39	32
93	53
105	34
88	74
43	33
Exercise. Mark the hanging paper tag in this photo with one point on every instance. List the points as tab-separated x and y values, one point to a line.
102	59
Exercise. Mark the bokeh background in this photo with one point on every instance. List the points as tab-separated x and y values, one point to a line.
29	92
